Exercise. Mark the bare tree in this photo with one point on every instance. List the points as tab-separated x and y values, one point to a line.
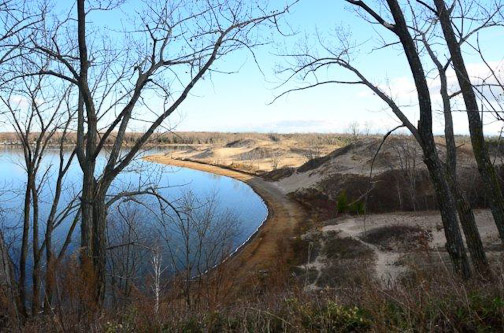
464	210
38	115
480	149
408	156
156	262
275	159
310	64
312	149
491	89
172	47
16	17
197	238
7	286
354	129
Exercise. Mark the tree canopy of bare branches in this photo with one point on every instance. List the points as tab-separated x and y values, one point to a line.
417	29
130	75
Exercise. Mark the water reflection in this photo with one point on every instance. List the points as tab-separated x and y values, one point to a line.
221	198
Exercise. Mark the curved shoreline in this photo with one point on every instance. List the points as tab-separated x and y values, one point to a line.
261	251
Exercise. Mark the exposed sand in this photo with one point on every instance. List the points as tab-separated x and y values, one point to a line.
262	251
254	155
387	267
244	159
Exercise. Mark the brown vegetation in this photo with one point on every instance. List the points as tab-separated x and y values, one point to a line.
264	287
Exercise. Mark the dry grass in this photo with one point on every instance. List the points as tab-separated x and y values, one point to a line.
424	302
428	298
398	237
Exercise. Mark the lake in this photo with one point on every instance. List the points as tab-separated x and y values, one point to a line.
224	203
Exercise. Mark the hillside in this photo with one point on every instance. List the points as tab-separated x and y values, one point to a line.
337	188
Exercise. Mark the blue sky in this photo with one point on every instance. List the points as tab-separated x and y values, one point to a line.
240	102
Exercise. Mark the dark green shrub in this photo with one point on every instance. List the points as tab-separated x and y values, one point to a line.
342	202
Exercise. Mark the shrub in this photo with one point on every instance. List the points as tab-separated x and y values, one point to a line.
342	205
342	202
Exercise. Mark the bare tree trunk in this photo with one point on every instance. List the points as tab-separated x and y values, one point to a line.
454	241
466	215
93	199
24	243
7	280
465	212
88	269
36	253
88	185
50	260
455	244
485	167
99	245
471	232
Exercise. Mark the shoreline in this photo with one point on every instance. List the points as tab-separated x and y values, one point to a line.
261	251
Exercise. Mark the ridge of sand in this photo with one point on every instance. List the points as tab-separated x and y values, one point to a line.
262	251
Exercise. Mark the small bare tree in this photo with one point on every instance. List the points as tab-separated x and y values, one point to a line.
275	159
197	238
41	118
409	157
354	129
156	262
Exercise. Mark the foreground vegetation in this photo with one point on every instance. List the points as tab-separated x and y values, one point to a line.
427	299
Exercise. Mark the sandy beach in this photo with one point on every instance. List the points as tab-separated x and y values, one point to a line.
262	251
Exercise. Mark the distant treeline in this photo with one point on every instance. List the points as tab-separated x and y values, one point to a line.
223	138
202	138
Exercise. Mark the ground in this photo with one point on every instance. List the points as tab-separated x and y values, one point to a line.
259	153
302	180
394	236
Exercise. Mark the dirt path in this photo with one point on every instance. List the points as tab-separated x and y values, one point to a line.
387	270
262	252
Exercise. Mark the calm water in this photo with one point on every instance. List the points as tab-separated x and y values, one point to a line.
231	197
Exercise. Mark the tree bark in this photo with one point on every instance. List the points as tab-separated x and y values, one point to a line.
465	213
7	279
100	245
24	243
36	253
471	232
485	167
88	162
447	206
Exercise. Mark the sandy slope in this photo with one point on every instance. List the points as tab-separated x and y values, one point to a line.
257	155
261	253
387	263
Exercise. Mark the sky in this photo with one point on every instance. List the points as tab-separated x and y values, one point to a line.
244	101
